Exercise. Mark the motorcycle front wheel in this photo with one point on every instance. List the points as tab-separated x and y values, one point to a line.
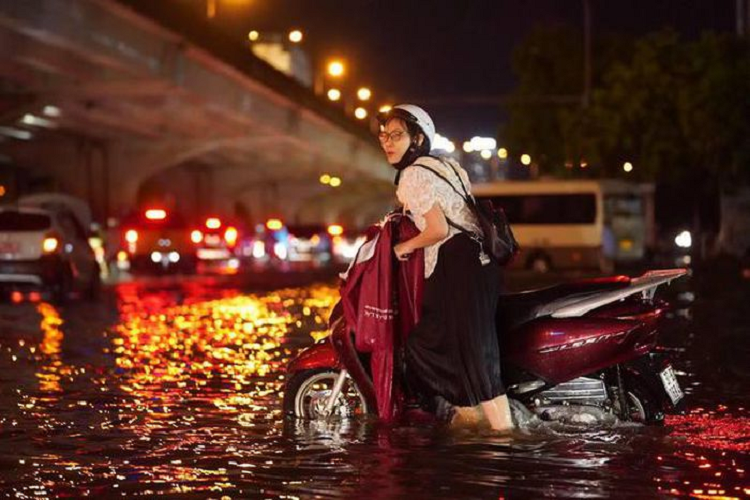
308	393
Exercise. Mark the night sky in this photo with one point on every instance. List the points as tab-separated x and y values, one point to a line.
428	50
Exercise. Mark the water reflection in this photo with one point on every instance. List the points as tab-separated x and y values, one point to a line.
51	368
181	398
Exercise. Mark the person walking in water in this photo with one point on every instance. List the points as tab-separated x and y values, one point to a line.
453	351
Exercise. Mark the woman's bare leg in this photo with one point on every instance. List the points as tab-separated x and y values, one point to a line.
498	414
466	416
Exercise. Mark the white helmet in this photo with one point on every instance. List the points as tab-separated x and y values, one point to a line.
414	114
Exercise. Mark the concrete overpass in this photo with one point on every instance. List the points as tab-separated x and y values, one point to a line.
116	101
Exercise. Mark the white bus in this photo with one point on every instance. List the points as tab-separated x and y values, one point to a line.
575	224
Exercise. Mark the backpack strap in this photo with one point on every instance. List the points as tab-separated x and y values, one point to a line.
473	234
442	177
458	176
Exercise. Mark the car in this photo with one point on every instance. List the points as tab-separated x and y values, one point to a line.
322	245
299	246
156	240
46	249
345	243
309	243
217	244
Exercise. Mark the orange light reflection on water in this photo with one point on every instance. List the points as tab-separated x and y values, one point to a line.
52	368
228	354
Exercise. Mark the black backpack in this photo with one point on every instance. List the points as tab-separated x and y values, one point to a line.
497	237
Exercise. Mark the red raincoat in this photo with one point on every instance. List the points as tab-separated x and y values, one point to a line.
382	301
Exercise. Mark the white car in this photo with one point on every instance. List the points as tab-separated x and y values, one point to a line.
48	250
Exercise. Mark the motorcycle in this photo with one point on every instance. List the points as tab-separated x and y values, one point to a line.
579	352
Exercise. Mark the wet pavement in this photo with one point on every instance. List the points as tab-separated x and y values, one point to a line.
172	388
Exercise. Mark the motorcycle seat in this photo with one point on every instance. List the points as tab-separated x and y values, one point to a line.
515	309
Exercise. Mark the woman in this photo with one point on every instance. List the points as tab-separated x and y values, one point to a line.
453	351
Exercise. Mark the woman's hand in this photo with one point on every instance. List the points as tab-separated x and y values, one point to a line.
435	231
403	251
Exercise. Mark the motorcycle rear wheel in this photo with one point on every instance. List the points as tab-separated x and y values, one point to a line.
307	393
642	405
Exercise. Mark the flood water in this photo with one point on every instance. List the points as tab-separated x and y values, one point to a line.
175	391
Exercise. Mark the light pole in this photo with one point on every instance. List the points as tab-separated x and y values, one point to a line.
586	53
742	17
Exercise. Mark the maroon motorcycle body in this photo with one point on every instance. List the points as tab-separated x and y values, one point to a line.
590	343
561	349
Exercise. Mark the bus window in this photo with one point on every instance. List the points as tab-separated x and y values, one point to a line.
579	208
623	206
548	208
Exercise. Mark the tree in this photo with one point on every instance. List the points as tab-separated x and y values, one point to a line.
679	111
635	112
549	66
716	108
545	107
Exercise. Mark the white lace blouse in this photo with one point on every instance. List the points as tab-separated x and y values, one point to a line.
419	190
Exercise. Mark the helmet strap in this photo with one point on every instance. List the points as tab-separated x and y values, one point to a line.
410	156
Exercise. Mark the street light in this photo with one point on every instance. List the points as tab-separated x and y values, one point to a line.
486	154
336	68
325	179
212	6
334	94
295	36
335	182
502	153
253	36
360	113
627	166
364	94
526	159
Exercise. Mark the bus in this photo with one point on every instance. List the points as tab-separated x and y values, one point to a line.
576	224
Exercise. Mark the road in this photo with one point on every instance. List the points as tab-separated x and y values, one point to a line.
172	386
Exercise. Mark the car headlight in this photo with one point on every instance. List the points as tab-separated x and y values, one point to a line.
684	240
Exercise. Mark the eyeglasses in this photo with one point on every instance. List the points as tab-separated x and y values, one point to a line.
394	136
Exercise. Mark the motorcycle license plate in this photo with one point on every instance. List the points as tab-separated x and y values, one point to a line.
671	385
